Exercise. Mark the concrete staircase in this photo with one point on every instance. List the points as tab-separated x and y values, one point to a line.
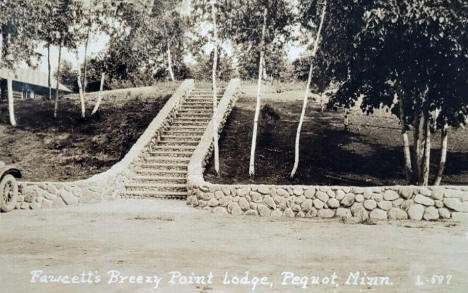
163	172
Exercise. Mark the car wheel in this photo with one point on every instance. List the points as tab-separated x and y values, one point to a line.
8	193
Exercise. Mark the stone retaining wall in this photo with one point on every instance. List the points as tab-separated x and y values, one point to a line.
357	204
109	184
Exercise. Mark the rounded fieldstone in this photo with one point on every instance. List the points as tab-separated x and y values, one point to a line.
425	191
307	205
444	213
296	208
244	204
397	202
370	204
218	194
220	211
213	202
226	190
348	200
385	205
312	213
378	214
339	194
416	212
264	189
330	193
343	213
309	192
318	203
69	198
243	191
322	196
368	194
358	190
439	203
390	195
424	200
431	214
397	214
263	210
47	204
453	203
326	213
289	213
207	195
223	201
333	203
251	213
298	191
377	197
253	206
300	214
269	202
405	205
255	196
406	191
276	213
437	193
282	192
359	197
300	199
232	206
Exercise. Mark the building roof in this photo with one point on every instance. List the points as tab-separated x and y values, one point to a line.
33	77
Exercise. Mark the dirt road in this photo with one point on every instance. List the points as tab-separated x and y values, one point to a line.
92	244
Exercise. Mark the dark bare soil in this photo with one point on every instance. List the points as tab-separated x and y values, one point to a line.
370	153
70	147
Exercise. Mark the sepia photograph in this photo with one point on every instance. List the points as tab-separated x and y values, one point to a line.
217	146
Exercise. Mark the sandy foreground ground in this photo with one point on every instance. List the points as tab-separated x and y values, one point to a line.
138	242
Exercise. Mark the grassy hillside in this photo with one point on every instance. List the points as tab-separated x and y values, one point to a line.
69	148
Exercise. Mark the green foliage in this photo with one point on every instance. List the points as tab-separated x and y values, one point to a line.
204	64
415	50
68	76
19	30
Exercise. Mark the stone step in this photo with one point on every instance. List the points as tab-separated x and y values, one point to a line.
154	167
174	148
207	107
158	153
194	133
155	187
159	159
162	172
152	179
200	100
187	128
155	194
173	143
194	118
172	138
195	112
183	123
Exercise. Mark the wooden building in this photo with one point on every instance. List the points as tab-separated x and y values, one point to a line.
28	84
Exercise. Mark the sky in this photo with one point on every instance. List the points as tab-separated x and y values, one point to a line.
98	43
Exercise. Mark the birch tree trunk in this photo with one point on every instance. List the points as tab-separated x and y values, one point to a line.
80	89
257	106
11	109
57	84
49	83
169	56
418	146
406	145
306	95
427	152
443	155
215	95
98	102
85	63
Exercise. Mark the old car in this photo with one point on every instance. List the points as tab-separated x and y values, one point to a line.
8	186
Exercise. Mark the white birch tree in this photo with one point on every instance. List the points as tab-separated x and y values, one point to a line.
306	94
